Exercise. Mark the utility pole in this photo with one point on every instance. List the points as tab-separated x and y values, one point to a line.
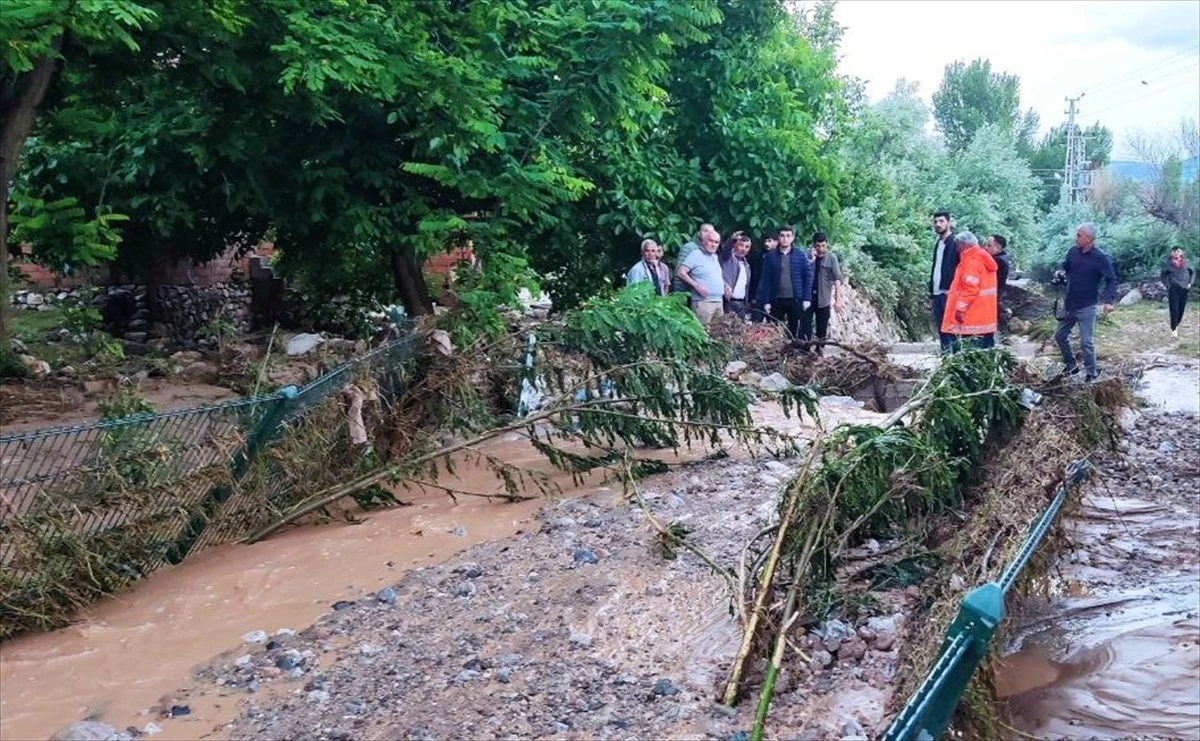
1072	180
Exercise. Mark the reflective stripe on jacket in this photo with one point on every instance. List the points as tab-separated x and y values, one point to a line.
973	292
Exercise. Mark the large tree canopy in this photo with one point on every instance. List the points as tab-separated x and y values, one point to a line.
972	95
35	35
369	134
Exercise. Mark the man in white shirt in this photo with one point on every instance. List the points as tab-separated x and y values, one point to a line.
735	269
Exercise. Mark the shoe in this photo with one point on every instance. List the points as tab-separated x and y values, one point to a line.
1072	371
1175	333
1091	377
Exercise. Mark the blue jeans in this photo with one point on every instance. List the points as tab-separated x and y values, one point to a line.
938	309
1086	319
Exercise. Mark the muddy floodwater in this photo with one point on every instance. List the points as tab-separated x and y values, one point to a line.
136	652
1116	653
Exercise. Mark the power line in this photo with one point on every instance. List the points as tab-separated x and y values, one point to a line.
1142	70
1192	82
1154	79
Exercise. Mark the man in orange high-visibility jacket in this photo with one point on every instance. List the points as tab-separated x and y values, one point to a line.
971	304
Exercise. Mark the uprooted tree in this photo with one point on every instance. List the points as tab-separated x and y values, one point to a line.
865	481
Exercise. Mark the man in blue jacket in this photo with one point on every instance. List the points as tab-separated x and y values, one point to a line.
1084	267
785	287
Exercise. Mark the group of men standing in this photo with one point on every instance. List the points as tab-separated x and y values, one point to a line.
799	288
795	287
965	283
967	279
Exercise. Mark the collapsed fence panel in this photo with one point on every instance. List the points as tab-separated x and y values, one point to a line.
87	510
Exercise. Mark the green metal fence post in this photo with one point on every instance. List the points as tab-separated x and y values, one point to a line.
268	427
931	708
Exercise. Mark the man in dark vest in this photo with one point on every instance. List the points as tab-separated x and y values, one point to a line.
941	275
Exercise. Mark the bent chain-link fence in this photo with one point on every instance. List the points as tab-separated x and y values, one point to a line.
87	510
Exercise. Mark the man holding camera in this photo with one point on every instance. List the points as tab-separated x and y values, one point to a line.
1083	269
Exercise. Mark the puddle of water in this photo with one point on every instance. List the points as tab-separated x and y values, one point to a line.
1141	682
1175	389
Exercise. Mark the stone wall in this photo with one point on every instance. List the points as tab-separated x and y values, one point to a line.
184	312
858	322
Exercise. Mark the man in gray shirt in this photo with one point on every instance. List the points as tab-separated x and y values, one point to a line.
826	293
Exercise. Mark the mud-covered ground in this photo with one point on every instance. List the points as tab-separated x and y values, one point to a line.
579	630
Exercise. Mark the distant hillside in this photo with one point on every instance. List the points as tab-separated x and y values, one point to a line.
1142	172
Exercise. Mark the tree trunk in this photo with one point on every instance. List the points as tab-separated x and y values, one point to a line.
18	115
410	282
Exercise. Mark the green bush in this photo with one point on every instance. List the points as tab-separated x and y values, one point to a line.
11	365
1137	243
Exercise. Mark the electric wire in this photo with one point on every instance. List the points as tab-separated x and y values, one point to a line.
1141	71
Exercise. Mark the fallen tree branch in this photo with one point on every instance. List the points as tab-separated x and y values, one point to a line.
733	685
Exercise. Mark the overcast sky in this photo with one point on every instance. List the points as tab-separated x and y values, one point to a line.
1102	48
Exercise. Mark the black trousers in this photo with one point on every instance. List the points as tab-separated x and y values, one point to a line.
822	320
788	311
1176	301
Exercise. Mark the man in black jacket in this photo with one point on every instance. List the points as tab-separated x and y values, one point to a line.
941	274
996	246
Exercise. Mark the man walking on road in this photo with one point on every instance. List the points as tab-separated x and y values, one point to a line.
701	274
941	275
785	289
1084	267
971	301
826	292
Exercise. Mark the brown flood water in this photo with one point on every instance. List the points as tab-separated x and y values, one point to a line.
132	649
138	650
1119	658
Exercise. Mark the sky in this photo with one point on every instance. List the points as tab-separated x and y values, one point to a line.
1137	64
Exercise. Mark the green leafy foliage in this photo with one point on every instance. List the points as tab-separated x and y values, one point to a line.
29	28
64	234
896	175
972	96
882	482
558	133
11	365
1136	242
634	324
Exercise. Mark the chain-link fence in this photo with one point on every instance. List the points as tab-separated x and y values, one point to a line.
87	510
